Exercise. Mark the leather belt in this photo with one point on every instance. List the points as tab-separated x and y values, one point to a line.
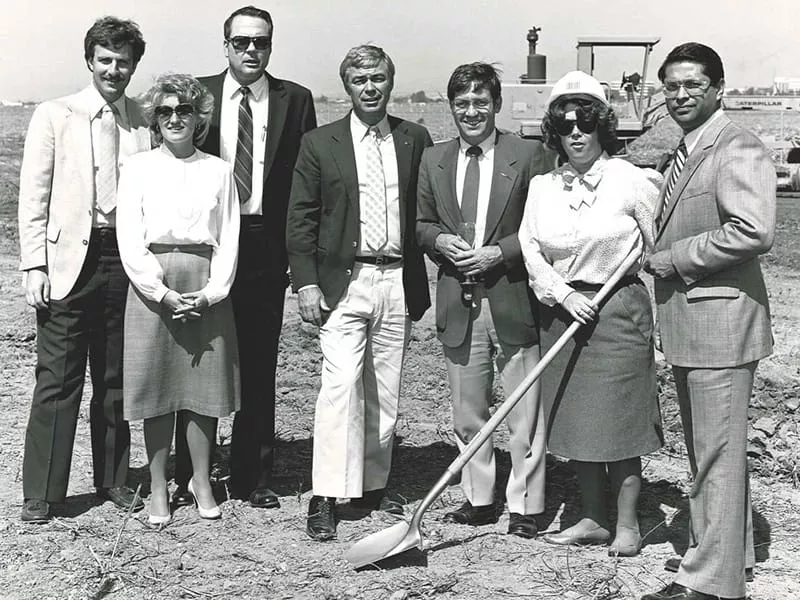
379	261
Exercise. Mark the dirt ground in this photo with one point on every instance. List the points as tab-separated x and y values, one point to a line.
91	550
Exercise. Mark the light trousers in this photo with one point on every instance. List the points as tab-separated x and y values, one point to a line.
363	343
713	405
470	370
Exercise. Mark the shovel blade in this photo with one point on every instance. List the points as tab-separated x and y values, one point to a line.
383	544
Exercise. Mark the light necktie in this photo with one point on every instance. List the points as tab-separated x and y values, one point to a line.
243	164
472	182
677	167
375	209
106	160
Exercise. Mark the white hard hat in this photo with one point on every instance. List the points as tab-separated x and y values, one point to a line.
578	83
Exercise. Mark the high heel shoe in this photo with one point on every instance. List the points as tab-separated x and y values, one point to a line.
205	513
158	520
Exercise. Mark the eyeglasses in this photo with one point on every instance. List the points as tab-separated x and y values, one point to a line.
586	120
241	43
165	112
693	87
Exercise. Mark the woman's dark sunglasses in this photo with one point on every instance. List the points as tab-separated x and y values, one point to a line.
586	120
183	111
241	43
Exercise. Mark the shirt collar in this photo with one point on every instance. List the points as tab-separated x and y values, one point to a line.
359	129
96	103
486	145
691	138
231	87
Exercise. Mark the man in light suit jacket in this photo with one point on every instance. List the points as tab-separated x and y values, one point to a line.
73	275
494	319
360	276
280	112
715	217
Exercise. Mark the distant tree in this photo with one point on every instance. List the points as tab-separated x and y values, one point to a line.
322	99
419	97
733	92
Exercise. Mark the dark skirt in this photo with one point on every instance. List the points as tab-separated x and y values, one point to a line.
599	393
169	365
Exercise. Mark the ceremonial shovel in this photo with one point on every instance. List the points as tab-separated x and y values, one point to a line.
405	535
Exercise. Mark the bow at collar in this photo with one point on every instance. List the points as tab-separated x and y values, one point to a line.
587	182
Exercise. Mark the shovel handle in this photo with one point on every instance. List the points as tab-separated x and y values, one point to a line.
507	406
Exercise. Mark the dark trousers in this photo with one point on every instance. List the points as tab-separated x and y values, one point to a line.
85	323
258	296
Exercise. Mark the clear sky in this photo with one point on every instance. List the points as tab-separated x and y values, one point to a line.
41	41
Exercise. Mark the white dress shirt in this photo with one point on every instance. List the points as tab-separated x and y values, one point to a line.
360	133
691	138
486	168
229	133
162	199
581	228
126	138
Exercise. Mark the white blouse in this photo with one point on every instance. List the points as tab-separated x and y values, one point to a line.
581	228
162	199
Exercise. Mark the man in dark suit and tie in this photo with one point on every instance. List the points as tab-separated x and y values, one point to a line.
256	126
716	215
359	276
476	186
73	275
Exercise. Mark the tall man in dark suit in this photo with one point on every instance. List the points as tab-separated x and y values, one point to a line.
360	276
74	277
481	179
257	124
716	215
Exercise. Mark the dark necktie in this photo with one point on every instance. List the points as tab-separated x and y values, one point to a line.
243	164
472	181
677	167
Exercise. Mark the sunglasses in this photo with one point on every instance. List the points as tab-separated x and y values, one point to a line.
183	110
586	120
241	43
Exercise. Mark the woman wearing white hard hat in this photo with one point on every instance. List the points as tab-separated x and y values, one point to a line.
581	221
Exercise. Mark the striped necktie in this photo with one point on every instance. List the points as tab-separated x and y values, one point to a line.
106	160
243	164
677	167
375	209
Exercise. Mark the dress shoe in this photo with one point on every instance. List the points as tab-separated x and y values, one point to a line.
466	514
673	564
627	542
181	497
321	522
377	500
523	526
675	591
122	496
598	535
155	519
205	513
263	497
35	510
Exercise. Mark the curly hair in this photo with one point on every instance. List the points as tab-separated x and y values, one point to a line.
111	32
606	123
188	90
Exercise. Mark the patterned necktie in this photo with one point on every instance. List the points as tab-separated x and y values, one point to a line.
375	209
472	182
243	164
677	167
106	160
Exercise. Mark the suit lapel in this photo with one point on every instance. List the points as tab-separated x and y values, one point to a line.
138	125
276	118
404	149
80	131
503	178
445	183
212	141
341	148
704	146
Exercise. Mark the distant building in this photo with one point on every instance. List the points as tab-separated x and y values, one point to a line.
786	85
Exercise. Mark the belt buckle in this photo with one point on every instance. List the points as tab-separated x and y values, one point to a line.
381	260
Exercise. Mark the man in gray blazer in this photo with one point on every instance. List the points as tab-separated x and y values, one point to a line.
715	217
481	178
73	275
